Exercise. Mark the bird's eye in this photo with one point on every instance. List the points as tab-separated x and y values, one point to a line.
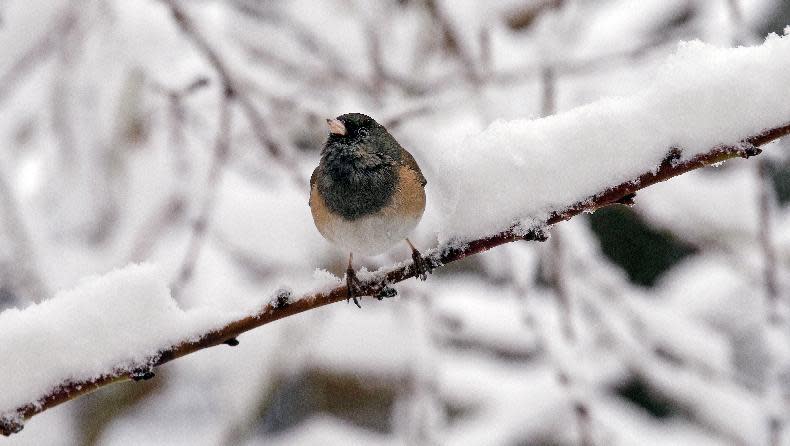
363	132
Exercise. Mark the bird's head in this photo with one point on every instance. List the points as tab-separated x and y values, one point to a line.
357	134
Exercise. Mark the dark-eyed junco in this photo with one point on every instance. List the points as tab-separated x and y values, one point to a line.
367	193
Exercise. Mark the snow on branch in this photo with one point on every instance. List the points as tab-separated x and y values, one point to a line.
707	105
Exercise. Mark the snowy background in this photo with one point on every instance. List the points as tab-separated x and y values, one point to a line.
660	324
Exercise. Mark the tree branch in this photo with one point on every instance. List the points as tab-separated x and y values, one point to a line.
229	82
47	43
282	306
200	226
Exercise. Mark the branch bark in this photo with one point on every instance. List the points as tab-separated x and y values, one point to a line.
281	307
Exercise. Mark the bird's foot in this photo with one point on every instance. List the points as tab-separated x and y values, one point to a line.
422	266
141	374
353	285
386	292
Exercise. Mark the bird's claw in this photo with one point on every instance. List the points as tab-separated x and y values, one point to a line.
141	374
353	286
422	266
386	292
746	149
354	289
10	425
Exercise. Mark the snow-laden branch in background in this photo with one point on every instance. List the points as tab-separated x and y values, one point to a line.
233	87
706	105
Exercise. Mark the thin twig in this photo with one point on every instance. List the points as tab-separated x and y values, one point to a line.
442	255
557	279
454	43
230	83
765	236
320	48
581	408
765	202
175	205
44	47
376	56
528	12
200	226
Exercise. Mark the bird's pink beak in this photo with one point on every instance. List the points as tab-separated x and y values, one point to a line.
336	127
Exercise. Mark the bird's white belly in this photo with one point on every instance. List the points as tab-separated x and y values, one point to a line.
372	234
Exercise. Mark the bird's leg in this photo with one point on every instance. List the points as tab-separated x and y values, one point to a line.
422	267
386	292
352	283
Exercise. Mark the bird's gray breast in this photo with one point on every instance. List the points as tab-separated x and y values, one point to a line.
353	189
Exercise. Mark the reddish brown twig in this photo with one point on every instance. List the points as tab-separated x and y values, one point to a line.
280	308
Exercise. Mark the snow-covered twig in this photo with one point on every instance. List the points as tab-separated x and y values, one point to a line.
581	408
765	203
765	236
200	226
42	49
375	282
230	83
557	278
174	206
454	43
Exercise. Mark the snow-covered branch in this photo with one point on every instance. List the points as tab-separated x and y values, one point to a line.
122	325
284	305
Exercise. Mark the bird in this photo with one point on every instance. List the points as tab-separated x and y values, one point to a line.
367	194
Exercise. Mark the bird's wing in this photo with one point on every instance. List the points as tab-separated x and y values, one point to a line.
409	162
312	182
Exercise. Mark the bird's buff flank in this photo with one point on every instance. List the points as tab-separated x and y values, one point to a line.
367	193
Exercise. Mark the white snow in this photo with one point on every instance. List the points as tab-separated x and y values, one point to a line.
670	205
702	96
479	183
117	321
